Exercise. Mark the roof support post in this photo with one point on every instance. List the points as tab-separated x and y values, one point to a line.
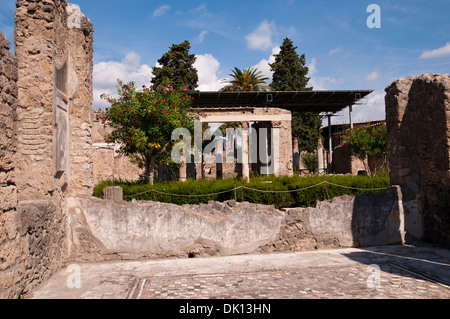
330	139
245	152
351	116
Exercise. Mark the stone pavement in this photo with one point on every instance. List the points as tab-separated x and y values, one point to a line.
390	272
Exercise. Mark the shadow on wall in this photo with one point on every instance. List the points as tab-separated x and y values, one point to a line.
426	121
418	122
377	219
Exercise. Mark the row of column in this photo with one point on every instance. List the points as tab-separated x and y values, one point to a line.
261	150
269	146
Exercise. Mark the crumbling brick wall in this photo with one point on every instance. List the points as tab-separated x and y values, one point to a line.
418	124
45	138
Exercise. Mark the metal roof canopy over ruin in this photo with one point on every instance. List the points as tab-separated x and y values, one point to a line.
294	101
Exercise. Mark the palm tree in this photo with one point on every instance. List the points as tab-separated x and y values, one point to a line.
245	80
242	80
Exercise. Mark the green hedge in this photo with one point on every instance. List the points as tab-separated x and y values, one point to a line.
304	198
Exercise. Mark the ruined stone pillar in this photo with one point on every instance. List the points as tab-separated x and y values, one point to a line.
54	50
282	154
183	170
418	136
245	152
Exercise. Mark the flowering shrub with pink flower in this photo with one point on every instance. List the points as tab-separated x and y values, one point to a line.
143	121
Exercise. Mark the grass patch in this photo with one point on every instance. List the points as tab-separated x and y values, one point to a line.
304	198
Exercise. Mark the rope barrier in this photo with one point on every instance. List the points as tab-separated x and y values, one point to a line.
182	195
256	190
291	191
358	189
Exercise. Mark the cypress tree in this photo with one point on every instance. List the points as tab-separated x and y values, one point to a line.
177	68
290	70
290	73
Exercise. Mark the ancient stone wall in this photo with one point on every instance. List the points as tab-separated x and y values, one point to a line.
418	124
48	155
8	189
158	230
54	54
8	105
107	164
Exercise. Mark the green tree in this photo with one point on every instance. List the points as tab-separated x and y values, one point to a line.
245	80
367	140
306	128
177	68
242	80
310	161
290	73
143	122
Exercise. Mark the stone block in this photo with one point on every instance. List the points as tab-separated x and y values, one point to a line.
114	193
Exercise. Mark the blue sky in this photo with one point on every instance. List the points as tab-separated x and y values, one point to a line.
341	50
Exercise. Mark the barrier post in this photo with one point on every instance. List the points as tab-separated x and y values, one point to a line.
326	188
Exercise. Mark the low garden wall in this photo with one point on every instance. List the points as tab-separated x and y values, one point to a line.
107	230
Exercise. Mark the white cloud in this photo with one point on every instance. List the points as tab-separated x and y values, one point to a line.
161	10
373	76
201	37
372	109
264	66
445	50
322	83
319	82
208	67
261	38
335	51
106	74
312	67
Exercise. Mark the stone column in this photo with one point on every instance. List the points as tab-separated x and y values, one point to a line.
219	158
320	157
245	152
276	150
296	155
330	142
183	170
264	149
